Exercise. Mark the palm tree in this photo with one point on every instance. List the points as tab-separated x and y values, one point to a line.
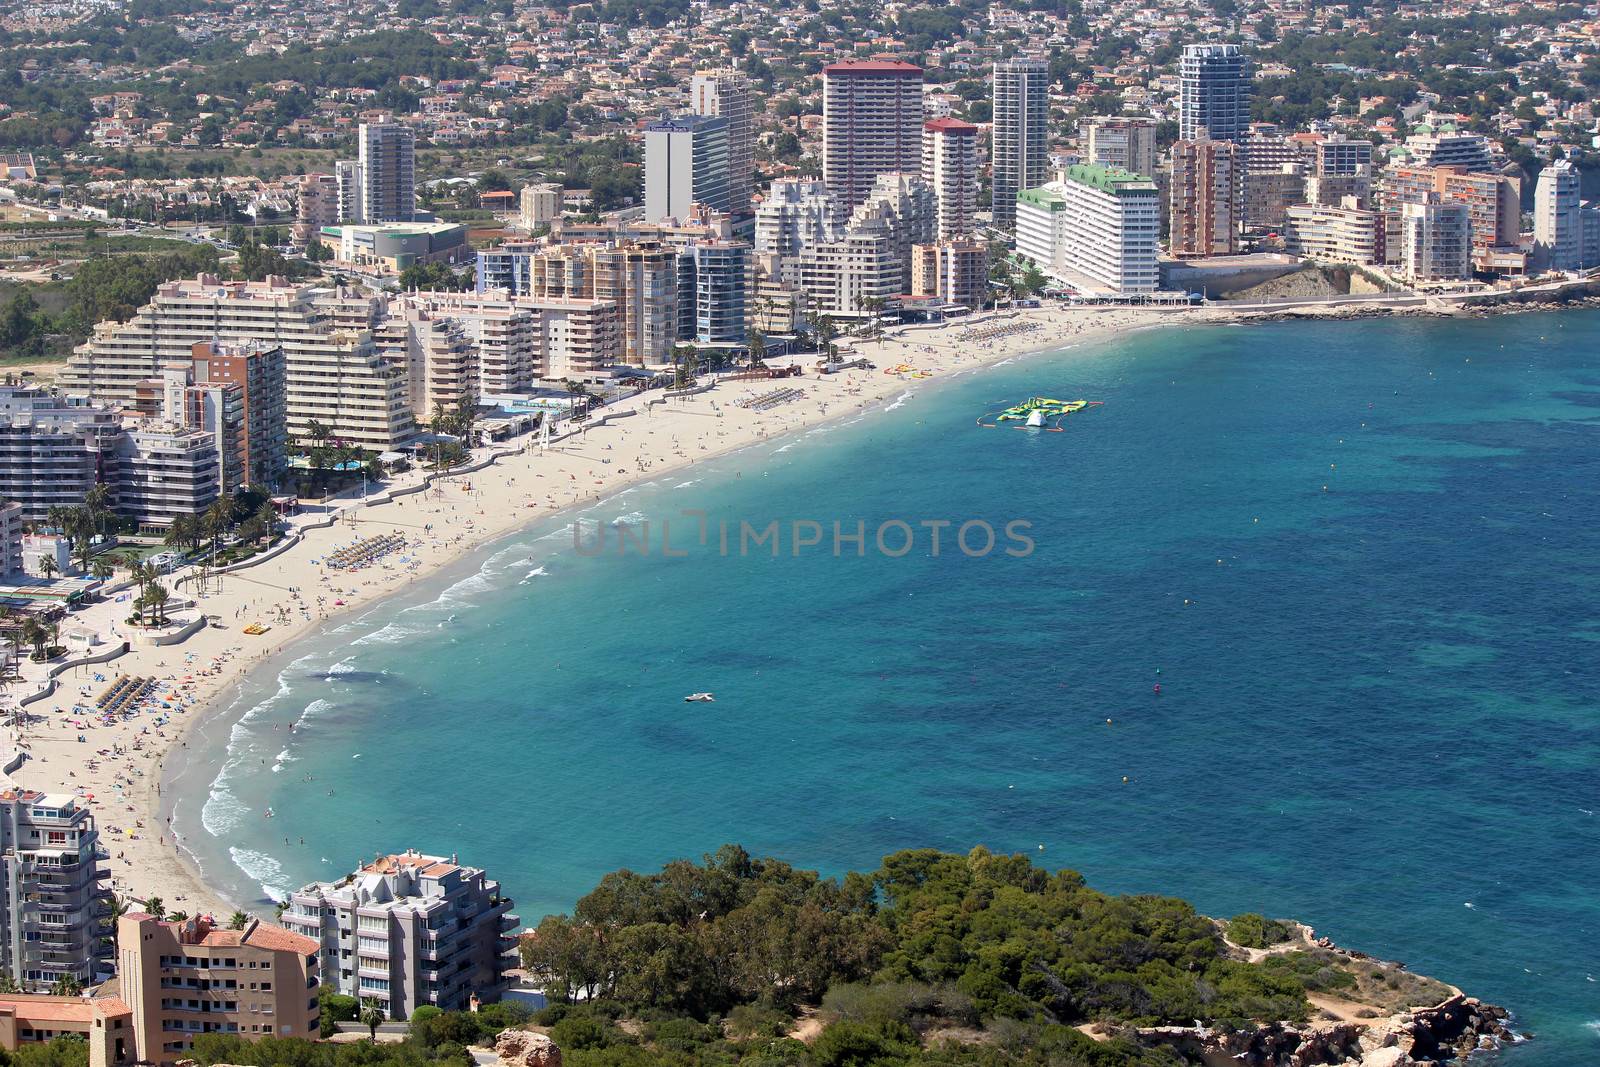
47	566
102	570
66	986
827	330
372	1016
758	348
178	917
34	632
155	908
218	520
98	501
238	921
183	533
158	596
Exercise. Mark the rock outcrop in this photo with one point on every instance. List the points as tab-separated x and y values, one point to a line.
1444	1033
524	1048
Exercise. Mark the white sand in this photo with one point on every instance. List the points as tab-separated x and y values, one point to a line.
124	782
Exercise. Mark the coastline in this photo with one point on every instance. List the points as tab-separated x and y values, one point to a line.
471	512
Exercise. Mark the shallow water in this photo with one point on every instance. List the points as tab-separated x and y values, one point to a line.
1359	559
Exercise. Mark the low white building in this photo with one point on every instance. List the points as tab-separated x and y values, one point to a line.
1097	230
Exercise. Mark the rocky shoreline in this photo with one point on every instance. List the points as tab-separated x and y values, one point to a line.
1445	1033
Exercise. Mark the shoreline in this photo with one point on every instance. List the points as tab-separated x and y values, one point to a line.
144	868
218	664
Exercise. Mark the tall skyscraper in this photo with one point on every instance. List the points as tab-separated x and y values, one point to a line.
1021	151
386	170
1215	96
55	901
1558	218
950	165
685	163
1205	186
871	125
725	93
1126	142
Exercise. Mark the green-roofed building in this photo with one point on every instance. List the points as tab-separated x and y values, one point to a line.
1096	230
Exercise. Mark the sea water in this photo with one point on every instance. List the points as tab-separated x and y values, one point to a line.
1361	560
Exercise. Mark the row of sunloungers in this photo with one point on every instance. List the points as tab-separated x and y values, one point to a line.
125	693
368	550
772	399
992	333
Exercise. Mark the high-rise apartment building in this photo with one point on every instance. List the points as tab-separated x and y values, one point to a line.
1335	234
1204	199
539	204
844	276
1342	156
907	203
1493	201
1097	230
685	163
260	372
725	94
954	272
409	930
1214	95
1021	142
1122	142
386	173
184	979
53	449
1558	218
724	276
871	125
1436	240
54	909
333	371
950	167
319	206
795	213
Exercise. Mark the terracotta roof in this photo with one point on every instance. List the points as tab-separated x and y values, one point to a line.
954	125
276	938
872	66
38	1007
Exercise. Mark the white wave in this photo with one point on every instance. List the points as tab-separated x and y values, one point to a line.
537	572
223	812
687	484
632	518
392	634
283	757
316	707
898	401
266	871
785	448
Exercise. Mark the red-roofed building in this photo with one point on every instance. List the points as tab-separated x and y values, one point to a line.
871	124
105	1023
193	977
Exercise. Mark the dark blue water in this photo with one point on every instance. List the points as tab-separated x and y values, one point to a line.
1361	560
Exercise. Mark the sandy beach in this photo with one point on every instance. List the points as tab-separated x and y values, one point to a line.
120	765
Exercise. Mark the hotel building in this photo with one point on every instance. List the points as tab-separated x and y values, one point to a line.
1204	192
1097	230
53	449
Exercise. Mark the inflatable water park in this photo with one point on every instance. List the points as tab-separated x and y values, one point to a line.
1037	413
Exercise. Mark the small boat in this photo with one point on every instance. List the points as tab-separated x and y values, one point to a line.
699	698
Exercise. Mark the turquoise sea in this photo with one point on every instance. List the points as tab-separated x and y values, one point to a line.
1360	559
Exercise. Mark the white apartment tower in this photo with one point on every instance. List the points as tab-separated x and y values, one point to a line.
54	908
410	930
1021	142
1096	230
725	94
386	173
796	213
1436	237
1558	218
1215	92
950	166
871	125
